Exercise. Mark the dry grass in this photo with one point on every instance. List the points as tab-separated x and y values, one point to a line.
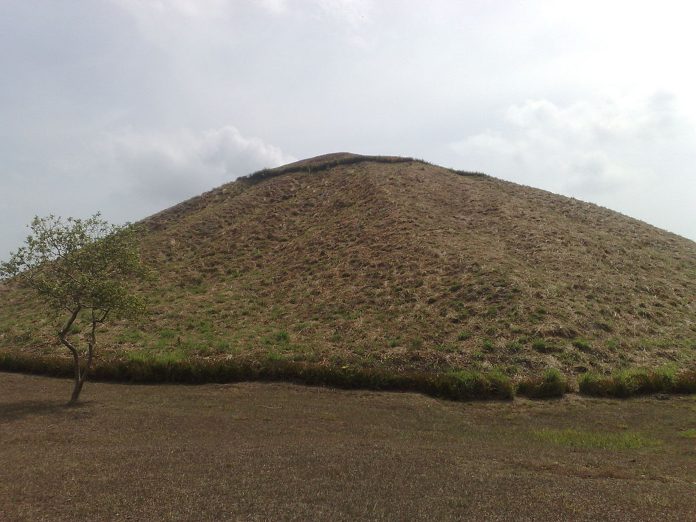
390	263
281	452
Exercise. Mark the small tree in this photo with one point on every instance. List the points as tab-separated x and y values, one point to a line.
81	268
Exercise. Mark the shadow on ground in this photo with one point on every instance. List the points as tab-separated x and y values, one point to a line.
21	409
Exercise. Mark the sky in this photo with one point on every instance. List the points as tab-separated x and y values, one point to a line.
129	106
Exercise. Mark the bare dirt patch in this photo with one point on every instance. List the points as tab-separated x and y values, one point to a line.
281	452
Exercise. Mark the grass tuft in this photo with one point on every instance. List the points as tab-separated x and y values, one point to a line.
638	381
551	384
464	385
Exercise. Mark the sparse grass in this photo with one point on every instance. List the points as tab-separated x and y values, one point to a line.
463	336
582	344
596	440
130	335
416	343
612	344
688	434
544	346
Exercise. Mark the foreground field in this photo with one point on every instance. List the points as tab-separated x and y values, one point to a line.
274	451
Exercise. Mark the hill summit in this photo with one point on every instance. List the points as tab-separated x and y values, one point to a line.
374	261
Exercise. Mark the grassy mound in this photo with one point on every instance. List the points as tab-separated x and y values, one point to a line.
395	266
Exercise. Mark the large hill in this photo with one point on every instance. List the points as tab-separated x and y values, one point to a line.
391	262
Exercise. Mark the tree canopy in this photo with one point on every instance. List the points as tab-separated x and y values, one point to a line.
84	268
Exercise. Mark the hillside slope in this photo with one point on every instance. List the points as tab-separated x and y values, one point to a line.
392	262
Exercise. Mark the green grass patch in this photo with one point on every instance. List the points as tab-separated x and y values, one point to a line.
551	384
595	440
130	336
279	338
463	336
688	434
543	346
168	357
638	381
478	385
582	345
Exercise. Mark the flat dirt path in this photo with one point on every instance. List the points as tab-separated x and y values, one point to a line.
256	451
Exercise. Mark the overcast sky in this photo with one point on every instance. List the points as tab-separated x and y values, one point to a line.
129	106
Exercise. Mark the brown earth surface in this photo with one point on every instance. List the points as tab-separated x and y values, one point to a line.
281	452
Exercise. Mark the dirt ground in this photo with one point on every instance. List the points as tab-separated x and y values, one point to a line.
257	451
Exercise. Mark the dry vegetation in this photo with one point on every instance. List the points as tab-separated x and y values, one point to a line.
391	263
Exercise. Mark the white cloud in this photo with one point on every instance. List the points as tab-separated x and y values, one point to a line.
128	175
586	147
316	76
634	155
168	167
275	6
354	12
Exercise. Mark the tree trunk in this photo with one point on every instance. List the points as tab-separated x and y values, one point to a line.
81	376
77	388
76	356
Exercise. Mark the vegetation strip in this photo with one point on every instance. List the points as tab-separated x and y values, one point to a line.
632	382
460	385
455	385
264	174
